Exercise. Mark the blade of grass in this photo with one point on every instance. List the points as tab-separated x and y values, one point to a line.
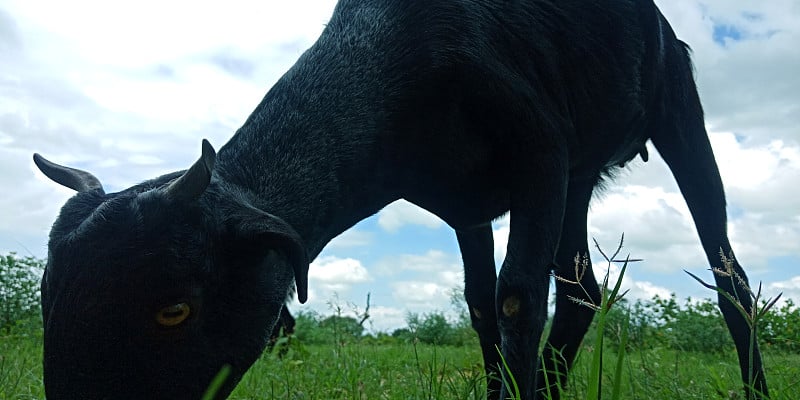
217	382
623	343
513	382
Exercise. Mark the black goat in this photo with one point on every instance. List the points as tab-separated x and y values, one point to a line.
467	108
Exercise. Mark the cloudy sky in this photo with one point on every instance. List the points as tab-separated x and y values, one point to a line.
127	90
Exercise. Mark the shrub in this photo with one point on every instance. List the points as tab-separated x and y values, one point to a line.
430	328
434	328
640	322
343	329
403	334
695	326
19	290
780	328
311	328
699	326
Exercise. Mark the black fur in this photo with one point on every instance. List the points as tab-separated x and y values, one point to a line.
467	108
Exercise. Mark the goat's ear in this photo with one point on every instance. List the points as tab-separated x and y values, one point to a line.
275	232
75	179
195	180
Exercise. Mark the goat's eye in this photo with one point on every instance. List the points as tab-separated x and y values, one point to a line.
173	315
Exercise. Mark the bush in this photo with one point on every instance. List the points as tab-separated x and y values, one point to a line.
19	290
403	334
780	328
434	328
343	329
699	326
311	328
695	326
643	329
430	328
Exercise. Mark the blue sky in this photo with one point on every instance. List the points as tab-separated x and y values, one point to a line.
725	33
127	92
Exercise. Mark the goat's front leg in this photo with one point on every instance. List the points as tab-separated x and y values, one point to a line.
571	320
480	277
537	214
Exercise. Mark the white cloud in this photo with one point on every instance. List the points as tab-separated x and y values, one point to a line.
656	224
761	177
143	159
421	295
173	29
28	205
331	282
637	289
500	230
87	86
756	239
351	238
764	213
336	274
790	289
748	86
746	167
422	282
401	213
386	319
131	103
431	261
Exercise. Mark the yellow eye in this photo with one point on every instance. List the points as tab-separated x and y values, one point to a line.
173	315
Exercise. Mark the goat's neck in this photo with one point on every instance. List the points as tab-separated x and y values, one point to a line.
311	151
305	167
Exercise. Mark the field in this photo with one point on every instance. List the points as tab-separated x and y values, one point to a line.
411	371
367	369
650	350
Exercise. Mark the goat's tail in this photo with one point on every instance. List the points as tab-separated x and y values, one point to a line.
680	137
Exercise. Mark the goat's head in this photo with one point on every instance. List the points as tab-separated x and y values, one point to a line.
150	291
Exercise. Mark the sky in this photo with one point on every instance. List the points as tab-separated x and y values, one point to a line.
128	90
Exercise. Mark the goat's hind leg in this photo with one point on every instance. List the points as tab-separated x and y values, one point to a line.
698	178
682	141
480	277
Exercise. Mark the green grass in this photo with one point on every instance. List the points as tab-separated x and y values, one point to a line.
407	371
417	371
21	366
367	371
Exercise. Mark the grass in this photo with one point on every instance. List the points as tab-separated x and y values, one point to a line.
388	368
416	371
21	366
366	371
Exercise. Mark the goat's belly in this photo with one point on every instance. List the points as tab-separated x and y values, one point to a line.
463	210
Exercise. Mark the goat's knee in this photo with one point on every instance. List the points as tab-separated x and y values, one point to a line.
522	298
